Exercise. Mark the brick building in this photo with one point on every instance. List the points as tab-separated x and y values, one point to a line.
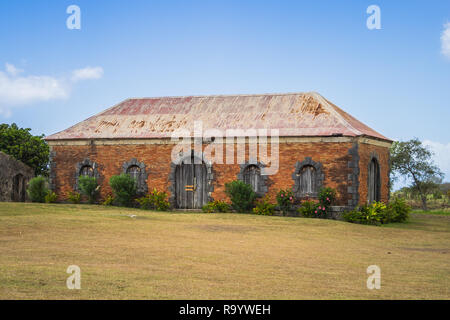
318	144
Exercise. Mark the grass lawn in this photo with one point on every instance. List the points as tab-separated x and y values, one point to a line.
215	256
445	212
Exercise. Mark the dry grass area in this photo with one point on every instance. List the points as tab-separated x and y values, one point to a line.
215	256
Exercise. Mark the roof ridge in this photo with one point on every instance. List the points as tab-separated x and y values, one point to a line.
224	95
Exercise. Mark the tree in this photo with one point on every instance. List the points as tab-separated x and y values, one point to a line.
414	161
22	145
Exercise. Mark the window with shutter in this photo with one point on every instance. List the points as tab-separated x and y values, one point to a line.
307	181
308	178
252	176
134	172
137	170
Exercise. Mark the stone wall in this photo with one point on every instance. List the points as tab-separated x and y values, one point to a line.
343	164
14	176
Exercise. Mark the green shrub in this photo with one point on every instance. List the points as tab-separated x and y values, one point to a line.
216	206
124	189
74	197
398	210
374	214
310	209
264	207
50	197
354	216
108	201
241	195
37	189
156	200
285	201
89	187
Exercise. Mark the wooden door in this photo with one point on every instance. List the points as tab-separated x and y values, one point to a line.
190	184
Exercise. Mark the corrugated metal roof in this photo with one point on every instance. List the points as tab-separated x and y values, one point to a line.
293	114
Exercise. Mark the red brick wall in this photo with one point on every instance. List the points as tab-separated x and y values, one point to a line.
365	151
157	158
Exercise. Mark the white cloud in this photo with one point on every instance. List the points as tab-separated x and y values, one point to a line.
441	156
87	73
20	90
12	70
445	40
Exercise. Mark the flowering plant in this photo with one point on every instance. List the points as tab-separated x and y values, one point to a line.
285	200
326	196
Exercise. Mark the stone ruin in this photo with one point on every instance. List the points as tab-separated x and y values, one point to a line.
14	176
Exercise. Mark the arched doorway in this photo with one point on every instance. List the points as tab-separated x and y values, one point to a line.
374	183
18	192
191	184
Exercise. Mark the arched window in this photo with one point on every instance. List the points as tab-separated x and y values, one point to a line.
307	181
138	172
87	171
86	168
252	176
134	172
374	184
252	173
308	178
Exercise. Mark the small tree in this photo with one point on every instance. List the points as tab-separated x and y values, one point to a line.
413	160
89	187
241	195
22	145
124	189
37	189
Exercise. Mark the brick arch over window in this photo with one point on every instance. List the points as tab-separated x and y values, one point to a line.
373	178
82	167
137	170
251	173
180	159
313	170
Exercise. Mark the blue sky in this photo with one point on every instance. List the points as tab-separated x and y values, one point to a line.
396	79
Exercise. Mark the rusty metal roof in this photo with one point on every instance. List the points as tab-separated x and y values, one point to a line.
293	114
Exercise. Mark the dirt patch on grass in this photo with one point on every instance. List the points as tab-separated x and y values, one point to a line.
441	250
224	228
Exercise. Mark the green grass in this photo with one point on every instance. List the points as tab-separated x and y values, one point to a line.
444	212
158	255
